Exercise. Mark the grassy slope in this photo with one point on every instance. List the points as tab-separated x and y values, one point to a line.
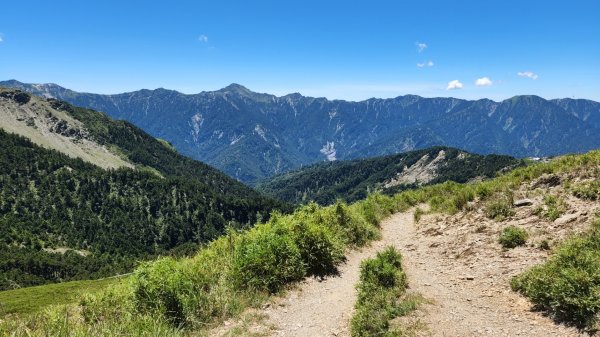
30	300
174	297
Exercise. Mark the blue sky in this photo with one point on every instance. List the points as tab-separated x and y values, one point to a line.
337	49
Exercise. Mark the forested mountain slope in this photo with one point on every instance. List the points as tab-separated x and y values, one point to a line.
353	179
64	218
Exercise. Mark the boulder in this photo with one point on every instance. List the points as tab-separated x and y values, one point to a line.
565	219
547	180
523	202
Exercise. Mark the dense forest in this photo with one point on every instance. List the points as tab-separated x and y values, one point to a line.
353	180
64	219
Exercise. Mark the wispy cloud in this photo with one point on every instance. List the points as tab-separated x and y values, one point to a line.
203	38
453	85
421	46
484	82
425	64
1	38
528	74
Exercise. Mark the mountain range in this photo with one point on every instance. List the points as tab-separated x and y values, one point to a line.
252	135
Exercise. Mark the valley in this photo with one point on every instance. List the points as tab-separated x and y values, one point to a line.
93	197
468	288
299	168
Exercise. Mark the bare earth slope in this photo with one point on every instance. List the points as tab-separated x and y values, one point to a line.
36	119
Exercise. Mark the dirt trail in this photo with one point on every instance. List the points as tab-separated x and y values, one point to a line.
468	296
324	308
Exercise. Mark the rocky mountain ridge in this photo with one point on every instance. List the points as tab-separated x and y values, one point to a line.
252	135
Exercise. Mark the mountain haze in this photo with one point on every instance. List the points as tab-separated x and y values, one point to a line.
252	135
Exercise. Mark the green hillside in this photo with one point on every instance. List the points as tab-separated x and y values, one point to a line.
353	180
65	219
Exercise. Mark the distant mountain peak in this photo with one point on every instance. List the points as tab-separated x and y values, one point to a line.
236	88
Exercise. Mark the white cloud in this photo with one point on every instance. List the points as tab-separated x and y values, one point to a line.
203	38
421	46
483	82
425	64
1	38
528	74
453	85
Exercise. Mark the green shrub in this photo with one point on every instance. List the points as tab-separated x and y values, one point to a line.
512	237
418	214
354	228
266	258
555	207
499	209
463	197
161	286
588	191
383	271
483	190
321	249
382	283
567	286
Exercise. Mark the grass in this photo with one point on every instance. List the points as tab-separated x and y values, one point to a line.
554	208
567	286
418	213
31	300
176	296
513	236
587	191
234	272
381	296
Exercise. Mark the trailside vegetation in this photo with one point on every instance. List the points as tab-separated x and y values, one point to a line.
381	296
567	286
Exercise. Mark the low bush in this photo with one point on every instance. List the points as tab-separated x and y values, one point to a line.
267	258
380	289
418	213
587	191
500	209
555	207
321	247
161	286
567	286
354	229
512	237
